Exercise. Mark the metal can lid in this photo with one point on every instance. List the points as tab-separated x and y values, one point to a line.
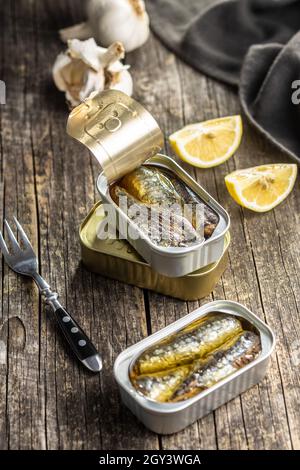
119	132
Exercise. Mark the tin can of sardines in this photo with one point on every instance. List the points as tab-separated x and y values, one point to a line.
115	258
184	371
169	219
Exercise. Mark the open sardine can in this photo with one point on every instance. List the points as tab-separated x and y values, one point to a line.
116	258
170	417
122	136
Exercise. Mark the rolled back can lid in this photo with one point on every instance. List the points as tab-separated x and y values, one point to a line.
119	132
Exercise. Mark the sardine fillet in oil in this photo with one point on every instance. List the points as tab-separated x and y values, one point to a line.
193	342
161	385
163	227
158	190
230	357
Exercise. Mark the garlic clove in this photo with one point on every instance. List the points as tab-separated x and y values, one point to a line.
93	81
113	54
113	20
87	51
81	80
86	67
78	31
122	82
117	75
128	24
62	60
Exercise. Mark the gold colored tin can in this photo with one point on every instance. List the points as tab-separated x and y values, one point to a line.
117	259
119	132
123	135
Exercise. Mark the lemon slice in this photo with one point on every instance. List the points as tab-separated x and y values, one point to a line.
210	143
263	187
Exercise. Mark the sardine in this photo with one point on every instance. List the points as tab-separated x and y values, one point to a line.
233	355
163	226
171	202
193	342
150	186
161	385
207	218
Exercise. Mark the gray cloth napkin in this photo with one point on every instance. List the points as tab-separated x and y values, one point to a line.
253	44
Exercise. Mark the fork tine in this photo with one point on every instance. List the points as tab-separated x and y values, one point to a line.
22	234
3	246
11	236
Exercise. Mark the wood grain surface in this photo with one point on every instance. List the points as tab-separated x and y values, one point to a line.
47	401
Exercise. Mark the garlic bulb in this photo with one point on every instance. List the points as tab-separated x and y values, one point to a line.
86	68
113	20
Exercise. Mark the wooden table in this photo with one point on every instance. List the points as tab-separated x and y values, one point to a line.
47	401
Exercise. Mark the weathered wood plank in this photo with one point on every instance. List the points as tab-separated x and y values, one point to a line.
48	181
80	410
20	303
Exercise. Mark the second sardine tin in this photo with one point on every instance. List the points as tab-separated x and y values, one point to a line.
194	359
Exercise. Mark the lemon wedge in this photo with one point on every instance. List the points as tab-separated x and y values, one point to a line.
210	143
263	187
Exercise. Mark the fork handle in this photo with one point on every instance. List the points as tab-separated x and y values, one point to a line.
79	342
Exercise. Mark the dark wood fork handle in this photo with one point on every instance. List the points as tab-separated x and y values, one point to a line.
78	340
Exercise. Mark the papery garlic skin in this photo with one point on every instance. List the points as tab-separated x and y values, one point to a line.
86	68
121	81
113	20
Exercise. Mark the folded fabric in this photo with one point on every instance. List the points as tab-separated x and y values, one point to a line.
270	93
248	43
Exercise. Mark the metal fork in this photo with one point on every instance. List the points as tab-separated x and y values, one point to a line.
23	260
